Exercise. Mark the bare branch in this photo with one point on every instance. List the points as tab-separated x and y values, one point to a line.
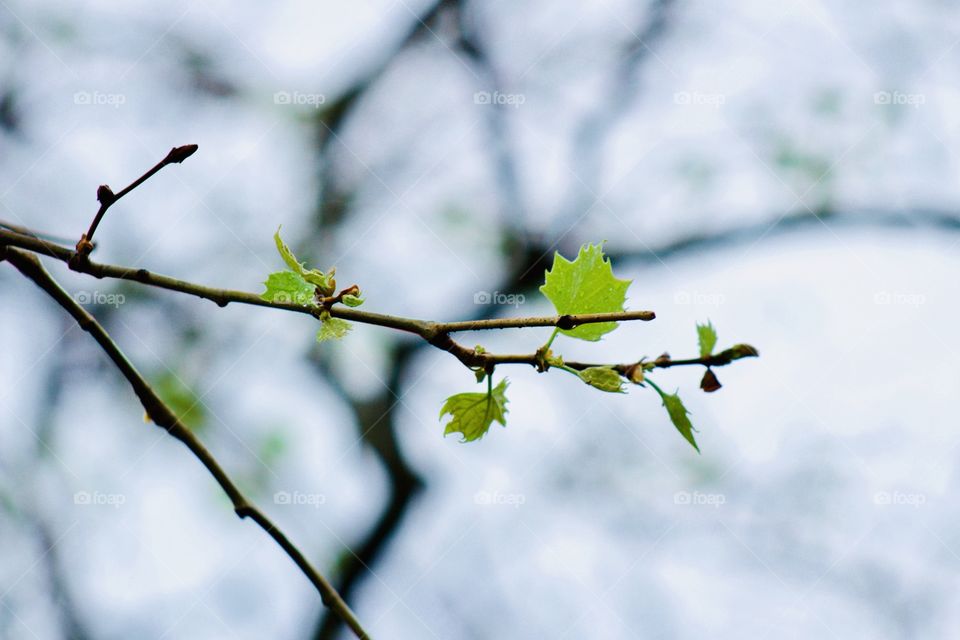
107	197
29	265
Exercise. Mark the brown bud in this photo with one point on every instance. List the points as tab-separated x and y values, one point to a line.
709	383
738	351
105	195
634	373
179	154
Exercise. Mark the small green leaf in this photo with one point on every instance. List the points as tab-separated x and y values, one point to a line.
288	287
324	282
292	263
678	414
603	378
332	328
707	337
352	301
585	285
473	413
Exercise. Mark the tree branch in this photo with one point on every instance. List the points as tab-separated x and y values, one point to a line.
29	265
426	329
107	197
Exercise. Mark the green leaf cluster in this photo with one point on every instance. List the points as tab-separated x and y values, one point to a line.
473	413
302	286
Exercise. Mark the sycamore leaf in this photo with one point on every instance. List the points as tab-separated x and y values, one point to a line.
603	378
678	416
324	282
473	413
585	285
288	287
332	328
707	337
291	260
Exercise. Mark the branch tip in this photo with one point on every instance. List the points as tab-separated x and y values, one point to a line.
179	154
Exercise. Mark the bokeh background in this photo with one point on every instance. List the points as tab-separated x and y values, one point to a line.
786	170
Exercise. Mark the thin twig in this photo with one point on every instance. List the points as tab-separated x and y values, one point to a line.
107	197
29	265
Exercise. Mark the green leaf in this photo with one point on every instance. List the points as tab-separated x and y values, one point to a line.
678	414
332	328
292	263
473	413
707	336
288	287
586	285
352	301
324	282
603	378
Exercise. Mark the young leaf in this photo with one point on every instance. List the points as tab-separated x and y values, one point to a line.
473	413
332	328
324	282
678	414
586	285
288	287
707	337
603	378
291	260
352	301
